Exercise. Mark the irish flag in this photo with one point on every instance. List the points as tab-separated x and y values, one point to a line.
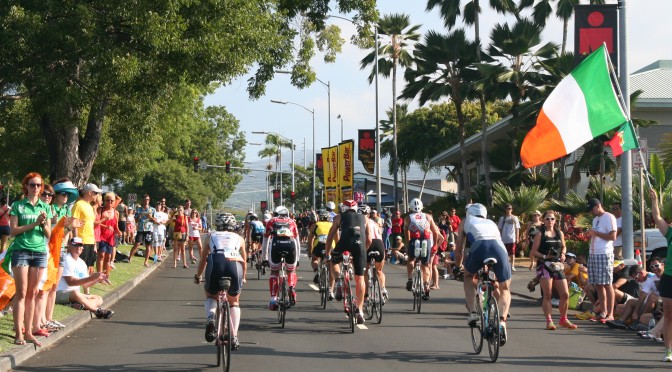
583	106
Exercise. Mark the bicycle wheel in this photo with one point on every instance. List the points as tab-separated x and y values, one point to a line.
349	304
282	303
368	300
493	328
324	293
218	342
417	291
376	296
225	337
477	329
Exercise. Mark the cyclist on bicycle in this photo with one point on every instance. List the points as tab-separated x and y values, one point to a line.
317	239
376	245
257	231
281	236
224	253
420	227
486	242
353	239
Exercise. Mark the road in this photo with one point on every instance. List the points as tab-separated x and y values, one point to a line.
159	326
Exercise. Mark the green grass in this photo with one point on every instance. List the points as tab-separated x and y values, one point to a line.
121	275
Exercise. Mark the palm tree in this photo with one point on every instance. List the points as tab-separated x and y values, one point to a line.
395	52
443	68
450	10
274	146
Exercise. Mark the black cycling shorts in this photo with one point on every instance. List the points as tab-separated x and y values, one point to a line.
219	267
357	255
256	238
377	246
318	250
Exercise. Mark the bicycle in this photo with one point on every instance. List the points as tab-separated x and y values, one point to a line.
283	298
223	323
347	275
488	326
323	279
416	288
373	305
258	264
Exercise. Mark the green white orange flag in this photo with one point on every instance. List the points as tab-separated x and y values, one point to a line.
583	106
625	139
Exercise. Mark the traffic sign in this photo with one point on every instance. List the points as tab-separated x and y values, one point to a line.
644	148
132	198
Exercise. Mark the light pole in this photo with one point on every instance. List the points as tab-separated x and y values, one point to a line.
291	141
328	86
312	112
340	117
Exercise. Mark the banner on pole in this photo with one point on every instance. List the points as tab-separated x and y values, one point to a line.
345	169
367	149
319	166
593	26
330	163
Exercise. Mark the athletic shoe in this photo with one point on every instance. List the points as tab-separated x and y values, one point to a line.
235	344
503	335
273	305
425	292
597	317
555	302
386	296
339	290
585	315
330	297
550	326
567	324
57	324
668	355
618	324
210	333
513	268
292	296
103	313
531	286
409	285
473	319
360	317
316	279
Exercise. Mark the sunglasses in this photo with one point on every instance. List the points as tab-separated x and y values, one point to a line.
35	184
62	194
47	194
77	245
656	266
549	219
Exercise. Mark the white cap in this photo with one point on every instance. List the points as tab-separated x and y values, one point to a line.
92	187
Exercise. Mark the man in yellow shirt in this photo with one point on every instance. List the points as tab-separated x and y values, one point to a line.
574	272
83	211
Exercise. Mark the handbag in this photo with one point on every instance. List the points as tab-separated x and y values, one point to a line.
177	235
555	267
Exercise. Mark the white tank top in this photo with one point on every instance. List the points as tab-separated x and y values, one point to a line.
226	243
477	228
419	224
374	230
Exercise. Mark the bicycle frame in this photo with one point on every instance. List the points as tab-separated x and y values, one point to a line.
348	299
223	324
416	288
489	327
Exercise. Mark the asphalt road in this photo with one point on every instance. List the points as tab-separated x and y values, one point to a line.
159	326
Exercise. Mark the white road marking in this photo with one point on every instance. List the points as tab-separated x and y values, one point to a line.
313	286
361	326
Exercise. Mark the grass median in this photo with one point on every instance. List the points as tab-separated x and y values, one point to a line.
123	273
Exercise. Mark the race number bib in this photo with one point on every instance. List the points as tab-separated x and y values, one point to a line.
322	238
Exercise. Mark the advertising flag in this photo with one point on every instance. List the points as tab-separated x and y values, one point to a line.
330	162
345	169
367	149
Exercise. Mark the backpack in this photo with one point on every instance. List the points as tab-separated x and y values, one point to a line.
576	296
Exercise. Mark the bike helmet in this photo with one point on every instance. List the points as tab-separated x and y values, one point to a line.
253	217
349	205
282	211
415	205
324	215
477	210
365	209
267	217
226	222
331	206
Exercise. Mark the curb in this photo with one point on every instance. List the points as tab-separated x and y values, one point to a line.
19	354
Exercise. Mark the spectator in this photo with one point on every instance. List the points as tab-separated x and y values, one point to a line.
39	318
648	297
666	278
84	211
509	227
76	275
601	258
531	229
122	212
574	271
180	221
159	231
549	247
130	226
109	229
618	243
27	255
194	225
454	221
145	215
4	223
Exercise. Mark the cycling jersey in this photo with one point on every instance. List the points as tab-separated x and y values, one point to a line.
257	227
486	242
353	238
476	228
321	231
419	226
284	237
227	244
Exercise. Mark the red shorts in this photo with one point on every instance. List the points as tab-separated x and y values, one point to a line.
510	249
194	238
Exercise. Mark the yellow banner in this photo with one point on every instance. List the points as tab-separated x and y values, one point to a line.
345	169
330	163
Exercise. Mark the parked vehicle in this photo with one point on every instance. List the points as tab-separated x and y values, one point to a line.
656	245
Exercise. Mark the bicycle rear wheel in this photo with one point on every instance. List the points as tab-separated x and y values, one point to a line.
350	306
218	341
282	303
324	286
417	291
376	297
493	328
368	300
477	329
225	337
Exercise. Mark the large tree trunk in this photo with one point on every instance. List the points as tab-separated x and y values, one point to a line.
70	154
422	188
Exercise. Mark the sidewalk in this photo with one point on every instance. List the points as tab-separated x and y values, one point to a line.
19	354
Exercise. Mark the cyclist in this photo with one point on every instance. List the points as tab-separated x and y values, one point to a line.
317	239
354	239
224	253
486	242
281	236
330	210
419	227
246	232
257	231
376	245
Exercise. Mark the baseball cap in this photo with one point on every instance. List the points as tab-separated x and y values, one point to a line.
536	212
92	187
399	238
76	241
570	254
592	203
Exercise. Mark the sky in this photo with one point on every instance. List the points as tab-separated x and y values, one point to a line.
649	29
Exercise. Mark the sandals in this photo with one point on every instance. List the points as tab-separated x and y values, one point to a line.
41	332
19	342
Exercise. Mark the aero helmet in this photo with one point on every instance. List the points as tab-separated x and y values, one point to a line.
415	205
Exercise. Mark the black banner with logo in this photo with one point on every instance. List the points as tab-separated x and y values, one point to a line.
367	149
595	25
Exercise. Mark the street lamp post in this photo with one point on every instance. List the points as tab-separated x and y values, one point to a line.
340	117
312	112
291	141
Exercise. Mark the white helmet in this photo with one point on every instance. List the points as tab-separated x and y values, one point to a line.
281	211
267	217
348	205
250	211
415	205
477	209
331	206
365	209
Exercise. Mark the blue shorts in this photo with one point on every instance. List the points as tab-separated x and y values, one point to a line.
105	247
4	230
483	249
23	257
